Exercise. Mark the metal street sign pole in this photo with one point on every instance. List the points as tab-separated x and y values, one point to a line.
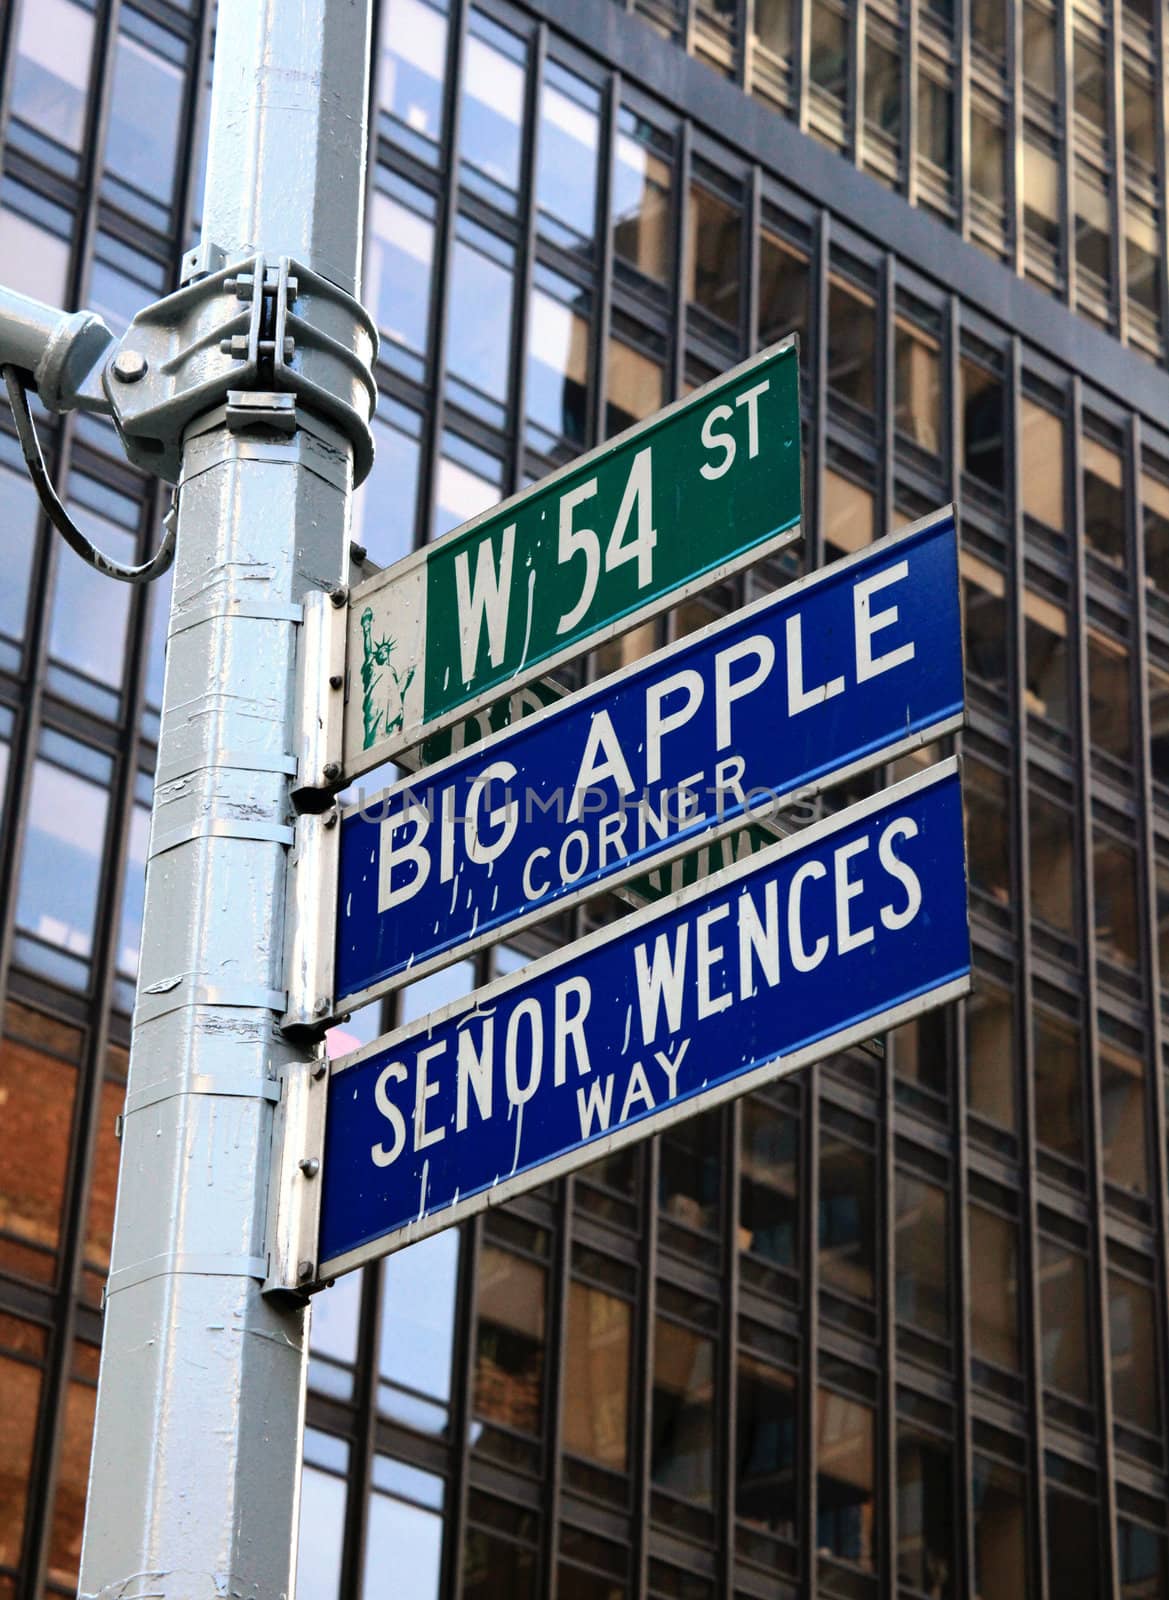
197	1445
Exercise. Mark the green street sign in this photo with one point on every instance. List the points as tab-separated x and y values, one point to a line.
667	508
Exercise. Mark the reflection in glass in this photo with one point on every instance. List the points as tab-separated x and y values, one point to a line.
1039	46
768	1187
766	1485
1000	1531
1104	519
61	864
994	1289
690	1172
38	1078
19	514
935	121
20	1383
493	101
984	618
1109	695
1063	1320
1093	226
417	1326
596	1380
1073	1552
1140	1556
783	289
990	1053
384	506
773	26
1045	640
1155	517
988	147
641	196
852	333
636	387
1140	121
566	177
1059	1110
50	76
1090	94
1114	875
988	823
925	1513
988	25
683	1412
558	356
982	424
917	385
883	88
36	259
1142	276
845	1496
509	1344
142	134
461	494
920	1053
1053	896
479	314
829	50
413	65
88	630
848	515
318	1555
399	265
133	892
712	255
496	1569
405	1540
1041	465
1041	182
1132	1335
1122	1117
847	1217
920	1254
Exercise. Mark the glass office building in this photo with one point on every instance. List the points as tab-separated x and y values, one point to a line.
896	1327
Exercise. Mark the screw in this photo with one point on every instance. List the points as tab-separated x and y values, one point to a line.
319	1070
321	1007
304	1272
129	366
330	818
336	681
339	595
310	1166
332	770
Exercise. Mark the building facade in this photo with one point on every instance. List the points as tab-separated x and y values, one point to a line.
896	1327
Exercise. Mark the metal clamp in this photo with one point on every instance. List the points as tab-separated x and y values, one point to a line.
294	1197
310	930
320	700
233	333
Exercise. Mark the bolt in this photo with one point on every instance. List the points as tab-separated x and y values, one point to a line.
321	1008
336	681
332	770
129	366
319	1069
310	1166
304	1272
330	818
339	595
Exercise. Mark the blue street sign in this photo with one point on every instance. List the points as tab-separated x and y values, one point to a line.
850	666
821	941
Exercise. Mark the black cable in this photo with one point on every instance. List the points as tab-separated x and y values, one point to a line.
55	511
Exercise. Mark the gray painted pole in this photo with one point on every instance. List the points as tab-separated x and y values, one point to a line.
196	1459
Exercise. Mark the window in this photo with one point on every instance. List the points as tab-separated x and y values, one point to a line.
987	794
847	1218
773	26
935	121
1059	1093
767	1430
918	385
19	516
1000	1531
143	131
1039	46
405	1530
988	26
984	616
1117	919
1132	1338
22	1350
399	269
68	1512
1041	202
848	515
921	1253
323	1495
988	149
1142	266
597	1367
385	504
1155	517
1140	121
558	370
38	1077
925	1512
509	1343
88	628
1093	229
1122	1115
982	425
566	177
682	1445
883	89
829	50
50	77
712	255
413	66
134	884
920	1054
499	1558
479	315
1140	1555
1090	84
994	1289
1063	1320
34	243
492	110
333	1337
417	1329
1104	518
846	1524
1048	667
1042	465
768	1181
690	1173
1109	695
642	178
783	290
636	386
468	482
1073	1550
1053	864
990	1053
852	334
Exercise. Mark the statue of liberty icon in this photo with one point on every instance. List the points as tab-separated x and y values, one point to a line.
382	700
